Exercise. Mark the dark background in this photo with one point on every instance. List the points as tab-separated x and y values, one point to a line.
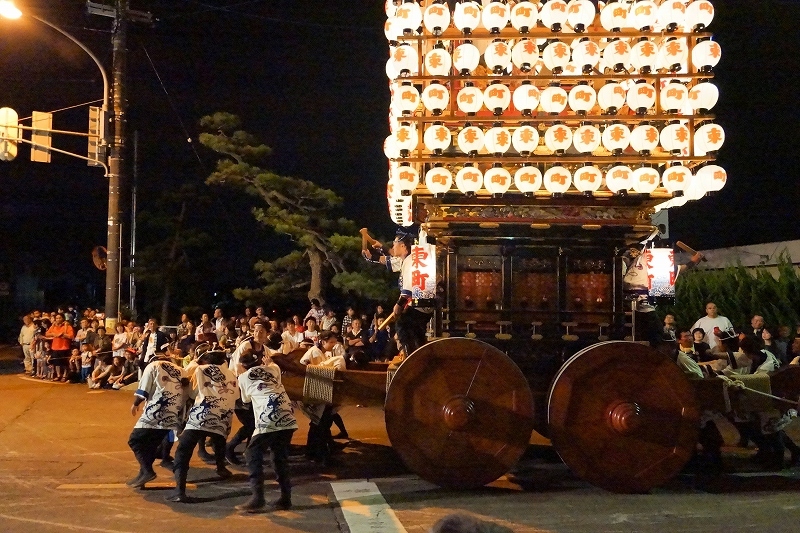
308	78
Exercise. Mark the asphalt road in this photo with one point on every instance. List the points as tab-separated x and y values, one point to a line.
64	461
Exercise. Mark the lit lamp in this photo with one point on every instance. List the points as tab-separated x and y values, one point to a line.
616	56
586	55
644	14
436	17
695	190
645	180
524	15
713	178
469	180
526	98
392	30
672	15
616	138
558	138
674	96
619	179
554	99
470	140
580	14
672	54
406	138
497	180
467	16
614	16
644	138
611	97
706	55
497	97
699	15
553	14
438	62
556	55
409	16
641	97
438	180
525	54
586	139
708	139
582	98
644	56
703	96
674	138
407	178
557	180
437	138
497	140
405	60
469	99
676	179
498	56
436	98
528	180
495	16
588	179
405	98
525	139
466	57
390	148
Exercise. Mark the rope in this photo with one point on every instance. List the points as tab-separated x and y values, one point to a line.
318	385
738	384
389	377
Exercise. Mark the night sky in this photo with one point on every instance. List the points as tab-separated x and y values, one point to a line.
308	78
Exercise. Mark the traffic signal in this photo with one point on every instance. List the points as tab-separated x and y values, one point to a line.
9	134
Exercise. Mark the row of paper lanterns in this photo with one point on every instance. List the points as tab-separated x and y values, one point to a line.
644	56
646	15
558	179
558	138
554	99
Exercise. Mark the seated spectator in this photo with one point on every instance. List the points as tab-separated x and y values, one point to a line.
291	338
101	372
357	343
774	345
116	374
329	320
130	372
669	333
310	334
701	349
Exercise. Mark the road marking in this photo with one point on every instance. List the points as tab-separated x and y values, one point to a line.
62	525
90	486
364	508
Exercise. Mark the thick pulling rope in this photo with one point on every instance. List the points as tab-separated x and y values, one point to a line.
738	384
318	385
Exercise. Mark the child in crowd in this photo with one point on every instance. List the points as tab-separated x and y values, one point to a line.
75	361
87	361
101	373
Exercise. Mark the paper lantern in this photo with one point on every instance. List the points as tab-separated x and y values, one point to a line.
553	14
466	58
614	16
524	16
405	98
389	7
643	14
672	54
586	55
674	97
497	180
391	72
694	191
676	178
469	180
644	139
553	100
586	139
437	138
438	180
406	138
390	148
467	16
438	62
435	98
588	179
525	54
712	177
406	60
616	55
498	56
495	16
708	139
699	15
526	97
409	16
706	55
558	138
645	180
525	140
582	98
392	29
497	140
400	210
616	138
497	97
703	96
671	15
470	140
557	179
619	179
528	180
641	97
469	99
556	55
675	138
407	178
580	14
611	97
436	18
644	56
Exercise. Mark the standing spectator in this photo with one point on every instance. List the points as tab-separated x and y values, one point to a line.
154	342
26	335
347	320
87	361
357	343
329	320
205	330
219	323
185	332
711	321
260	314
85	333
60	334
316	312
670	333
41	348
298	325
120	341
102	342
755	329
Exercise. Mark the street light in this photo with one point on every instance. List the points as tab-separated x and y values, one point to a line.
114	162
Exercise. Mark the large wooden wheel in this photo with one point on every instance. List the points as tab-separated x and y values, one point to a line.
623	416
459	413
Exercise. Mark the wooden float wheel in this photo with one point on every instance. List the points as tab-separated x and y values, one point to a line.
459	413
623	416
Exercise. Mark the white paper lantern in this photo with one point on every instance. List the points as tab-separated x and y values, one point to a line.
619	179
497	140
588	179
497	180
616	55
674	97
582	98
614	16
498	56
437	138
641	97
406	60
553	100
525	139
389	7
470	140
435	98
405	98
526	98
699	15
586	139
644	138
611	97
495	16
469	99
695	190
528	179
643	14
467	16
706	55
676	178
644	56
580	14
645	180
708	138
391	72
406	137
525	54
497	98
407	178
557	179
392	28
672	54
390	148
616	138
586	55
438	62
409	16
469	180
438	180
703	97
675	138
712	177
400	210
466	58
556	56
436	18
553	14
524	16
558	138
672	14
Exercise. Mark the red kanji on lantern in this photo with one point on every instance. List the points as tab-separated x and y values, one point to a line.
436	93
651	134
586	96
620	174
675	176
472	11
648	178
418	279
471	176
617	133
530	46
675	93
560	134
681	134
647	49
442	133
714	135
586	176
439	178
406	175
558	98
560	50
402	12
436	10
528	177
526	136
402	135
470	136
466	97
499	178
502	138
399	54
411	96
435	60
561	179
496	92
646	90
645	9
418	255
587	136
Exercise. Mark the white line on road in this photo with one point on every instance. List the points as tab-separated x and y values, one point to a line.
364	508
71	527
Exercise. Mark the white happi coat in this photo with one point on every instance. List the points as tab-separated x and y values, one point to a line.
261	386
216	391
162	387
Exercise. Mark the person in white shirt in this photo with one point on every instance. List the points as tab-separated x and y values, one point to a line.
709	322
291	338
275	423
26	335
